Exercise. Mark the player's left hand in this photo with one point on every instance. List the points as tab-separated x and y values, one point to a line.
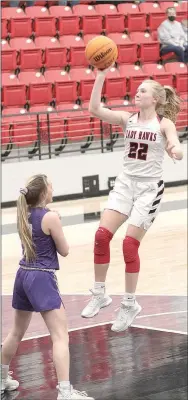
174	151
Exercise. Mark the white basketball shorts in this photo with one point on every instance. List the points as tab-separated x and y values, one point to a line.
140	201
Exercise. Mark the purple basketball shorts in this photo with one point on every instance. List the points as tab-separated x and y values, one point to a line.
35	291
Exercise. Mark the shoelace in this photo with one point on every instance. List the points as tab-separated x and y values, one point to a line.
80	393
122	312
75	391
95	298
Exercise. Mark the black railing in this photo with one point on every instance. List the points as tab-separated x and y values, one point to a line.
50	134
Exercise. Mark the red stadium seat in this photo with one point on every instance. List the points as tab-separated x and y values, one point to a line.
45	26
87	38
9	60
182	120
149	52
184	6
9	79
14	95
4	28
136	20
154	35
165	4
135	76
127	51
84	10
56	75
14	112
148	7
22	43
115	85
86	78
12	12
28	77
181	15
148	49
31	59
65	92
91	22
141	37
180	72
78	126
128	8
169	56
158	73
76	46
40	93
24	131
68	24
5	45
54	54
113	21
21	27
36	12
155	19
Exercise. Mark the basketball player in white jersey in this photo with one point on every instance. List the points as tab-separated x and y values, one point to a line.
138	188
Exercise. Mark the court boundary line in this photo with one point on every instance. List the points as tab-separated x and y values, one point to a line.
108	323
158	314
117	294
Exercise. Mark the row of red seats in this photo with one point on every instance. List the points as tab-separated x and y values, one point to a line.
53	53
89	19
64	87
77	126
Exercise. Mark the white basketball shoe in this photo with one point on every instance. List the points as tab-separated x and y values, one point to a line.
74	395
98	301
126	316
8	384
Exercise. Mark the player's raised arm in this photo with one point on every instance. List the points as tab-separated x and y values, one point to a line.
96	109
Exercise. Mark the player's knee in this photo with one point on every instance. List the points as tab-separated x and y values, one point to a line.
130	253
102	246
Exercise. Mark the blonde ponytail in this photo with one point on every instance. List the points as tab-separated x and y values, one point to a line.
24	229
172	105
31	196
168	102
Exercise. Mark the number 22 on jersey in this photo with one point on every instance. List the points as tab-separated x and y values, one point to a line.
138	151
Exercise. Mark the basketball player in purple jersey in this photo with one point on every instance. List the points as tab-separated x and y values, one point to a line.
35	287
138	188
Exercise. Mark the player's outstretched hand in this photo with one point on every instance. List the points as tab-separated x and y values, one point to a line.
174	151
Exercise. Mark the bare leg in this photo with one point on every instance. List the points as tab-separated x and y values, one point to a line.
56	323
21	322
10	345
110	220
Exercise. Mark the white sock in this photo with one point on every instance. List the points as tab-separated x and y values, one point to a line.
4	371
65	389
130	298
100	286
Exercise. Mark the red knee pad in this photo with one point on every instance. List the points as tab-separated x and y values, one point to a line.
131	256
102	246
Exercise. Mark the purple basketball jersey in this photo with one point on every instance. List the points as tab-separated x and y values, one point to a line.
45	249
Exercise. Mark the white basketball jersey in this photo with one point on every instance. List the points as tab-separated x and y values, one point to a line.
144	148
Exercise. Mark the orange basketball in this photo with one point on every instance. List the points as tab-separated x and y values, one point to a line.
101	52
